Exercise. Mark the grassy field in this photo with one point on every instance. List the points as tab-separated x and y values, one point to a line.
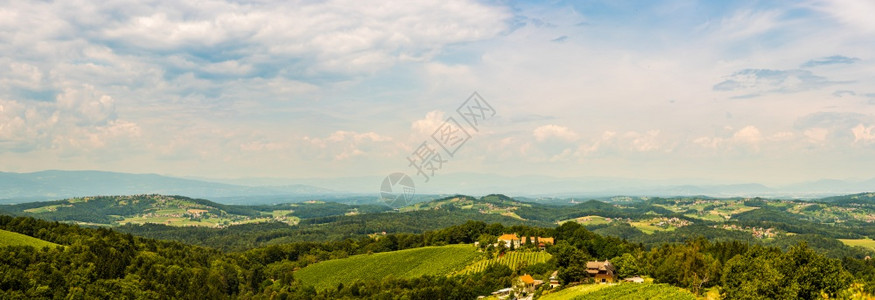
514	260
588	220
410	263
573	291
710	216
632	291
8	238
867	243
642	291
645	227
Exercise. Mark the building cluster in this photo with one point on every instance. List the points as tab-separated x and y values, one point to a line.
674	221
757	232
511	240
600	272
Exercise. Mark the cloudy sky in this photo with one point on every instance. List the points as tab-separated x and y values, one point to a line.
731	91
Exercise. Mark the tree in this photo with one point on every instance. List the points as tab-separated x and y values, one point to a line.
813	273
485	240
754	276
573	273
687	266
628	265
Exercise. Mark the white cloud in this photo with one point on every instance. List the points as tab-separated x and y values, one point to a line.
816	135
297	87
644	142
88	105
338	36
547	132
343	145
749	134
431	122
856	14
746	23
864	134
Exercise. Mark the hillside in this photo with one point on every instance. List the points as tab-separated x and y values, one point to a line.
139	209
8	238
867	199
490	204
411	263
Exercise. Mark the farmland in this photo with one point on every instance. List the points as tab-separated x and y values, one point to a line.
411	263
514	260
8	238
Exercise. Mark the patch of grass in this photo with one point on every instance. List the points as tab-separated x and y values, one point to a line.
866	243
707	216
410	263
45	209
636	291
645	227
588	220
574	291
9	238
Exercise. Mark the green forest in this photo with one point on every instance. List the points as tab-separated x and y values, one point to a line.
105	263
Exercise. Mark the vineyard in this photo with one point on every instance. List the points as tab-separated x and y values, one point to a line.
514	260
410	263
632	291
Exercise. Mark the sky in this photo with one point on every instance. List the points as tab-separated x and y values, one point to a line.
773	92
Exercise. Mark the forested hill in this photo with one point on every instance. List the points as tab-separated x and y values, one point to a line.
844	221
102	263
860	199
177	211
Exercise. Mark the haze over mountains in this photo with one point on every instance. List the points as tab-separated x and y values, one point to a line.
50	185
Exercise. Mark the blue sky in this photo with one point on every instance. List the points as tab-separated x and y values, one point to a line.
729	91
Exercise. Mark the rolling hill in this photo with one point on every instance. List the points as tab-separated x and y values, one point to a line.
9	238
411	263
176	211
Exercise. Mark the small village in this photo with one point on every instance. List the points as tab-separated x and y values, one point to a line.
525	285
757	232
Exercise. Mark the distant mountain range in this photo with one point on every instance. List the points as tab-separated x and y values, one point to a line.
53	185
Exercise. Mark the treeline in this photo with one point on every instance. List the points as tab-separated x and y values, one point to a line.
103	264
829	246
742	270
